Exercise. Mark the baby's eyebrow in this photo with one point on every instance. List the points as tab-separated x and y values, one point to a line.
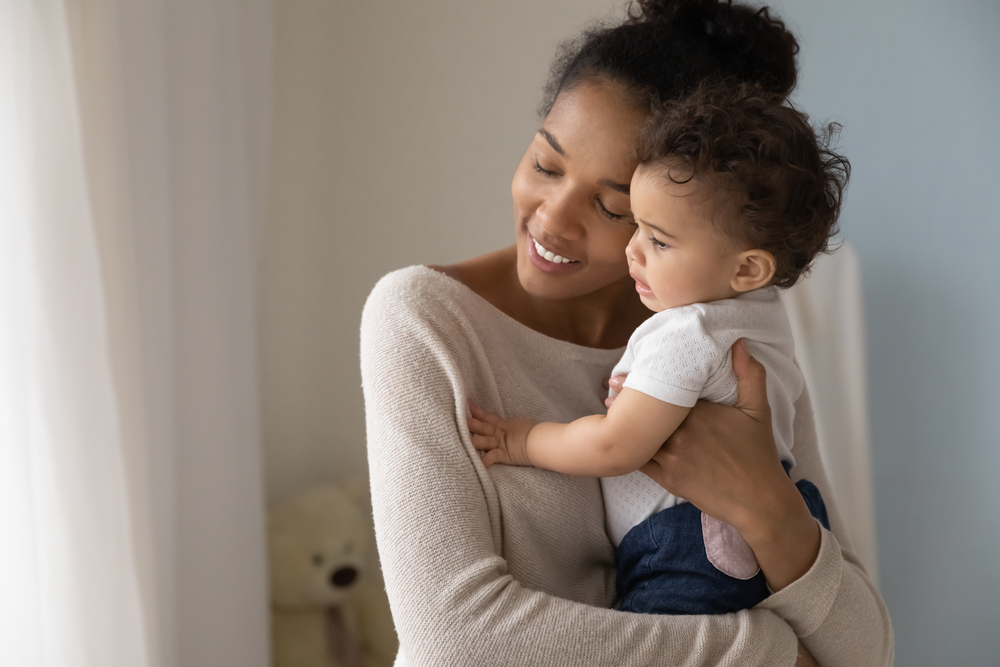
659	230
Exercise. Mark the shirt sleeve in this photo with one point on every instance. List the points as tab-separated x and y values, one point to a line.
675	357
440	540
834	608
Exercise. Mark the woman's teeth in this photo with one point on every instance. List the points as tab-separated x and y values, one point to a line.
549	255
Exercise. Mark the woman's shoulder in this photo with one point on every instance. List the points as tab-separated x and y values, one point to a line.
421	298
460	291
414	283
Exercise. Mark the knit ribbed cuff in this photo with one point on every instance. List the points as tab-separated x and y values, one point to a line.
805	603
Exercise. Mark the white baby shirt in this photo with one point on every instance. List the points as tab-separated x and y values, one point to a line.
682	354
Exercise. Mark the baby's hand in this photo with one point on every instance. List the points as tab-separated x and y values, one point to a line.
502	440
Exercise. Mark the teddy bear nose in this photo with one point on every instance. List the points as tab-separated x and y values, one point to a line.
344	576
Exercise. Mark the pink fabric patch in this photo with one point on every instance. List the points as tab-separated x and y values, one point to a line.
727	550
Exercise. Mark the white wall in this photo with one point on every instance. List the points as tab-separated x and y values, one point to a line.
397	130
398	127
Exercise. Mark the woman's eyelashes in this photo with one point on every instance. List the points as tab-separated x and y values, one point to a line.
549	173
608	214
542	170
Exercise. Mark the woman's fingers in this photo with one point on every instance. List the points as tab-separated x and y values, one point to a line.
615	384
751	383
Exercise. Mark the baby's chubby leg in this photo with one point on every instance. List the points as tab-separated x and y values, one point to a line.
500	440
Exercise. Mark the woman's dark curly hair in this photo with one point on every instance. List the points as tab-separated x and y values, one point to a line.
666	47
749	142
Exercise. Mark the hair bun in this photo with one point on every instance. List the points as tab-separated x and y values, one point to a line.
759	47
651	11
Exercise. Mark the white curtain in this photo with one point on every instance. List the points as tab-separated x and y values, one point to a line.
132	158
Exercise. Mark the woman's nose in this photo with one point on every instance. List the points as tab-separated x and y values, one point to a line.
560	214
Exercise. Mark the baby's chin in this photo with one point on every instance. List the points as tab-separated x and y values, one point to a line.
652	303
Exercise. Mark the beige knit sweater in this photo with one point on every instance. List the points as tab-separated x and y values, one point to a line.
512	566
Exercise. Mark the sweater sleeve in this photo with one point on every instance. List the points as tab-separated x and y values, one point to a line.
439	531
834	608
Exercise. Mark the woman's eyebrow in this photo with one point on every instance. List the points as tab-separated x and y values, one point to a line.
556	146
617	187
606	182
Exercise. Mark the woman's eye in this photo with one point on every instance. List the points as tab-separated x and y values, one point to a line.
608	214
542	170
658	244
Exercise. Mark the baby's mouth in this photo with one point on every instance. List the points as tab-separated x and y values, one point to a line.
550	256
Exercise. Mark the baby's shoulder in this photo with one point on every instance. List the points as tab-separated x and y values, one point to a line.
673	323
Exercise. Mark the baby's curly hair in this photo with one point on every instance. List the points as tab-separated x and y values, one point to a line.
751	143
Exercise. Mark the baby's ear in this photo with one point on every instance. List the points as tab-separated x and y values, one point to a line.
755	269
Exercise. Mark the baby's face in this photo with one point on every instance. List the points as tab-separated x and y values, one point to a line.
677	256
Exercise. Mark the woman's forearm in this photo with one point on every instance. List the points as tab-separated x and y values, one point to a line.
783	535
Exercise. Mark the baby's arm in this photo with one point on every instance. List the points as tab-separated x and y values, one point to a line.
596	446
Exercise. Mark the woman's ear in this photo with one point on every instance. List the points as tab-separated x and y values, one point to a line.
756	268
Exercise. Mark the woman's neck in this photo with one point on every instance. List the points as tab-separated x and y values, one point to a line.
604	319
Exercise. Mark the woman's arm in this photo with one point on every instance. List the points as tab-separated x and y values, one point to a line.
441	531
821	589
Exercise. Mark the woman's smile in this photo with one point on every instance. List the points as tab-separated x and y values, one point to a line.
548	261
549	255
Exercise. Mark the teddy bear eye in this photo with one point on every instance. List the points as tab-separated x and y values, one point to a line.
318	559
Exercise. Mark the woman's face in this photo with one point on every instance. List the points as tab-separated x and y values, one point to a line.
571	202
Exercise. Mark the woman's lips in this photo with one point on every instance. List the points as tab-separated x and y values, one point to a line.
641	287
542	264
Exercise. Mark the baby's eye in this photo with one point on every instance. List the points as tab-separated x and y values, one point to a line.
657	243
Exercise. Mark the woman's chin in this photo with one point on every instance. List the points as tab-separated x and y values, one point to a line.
545	285
556	286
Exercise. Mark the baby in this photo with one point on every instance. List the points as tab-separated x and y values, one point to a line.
733	198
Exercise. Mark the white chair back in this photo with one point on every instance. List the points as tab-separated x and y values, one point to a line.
827	318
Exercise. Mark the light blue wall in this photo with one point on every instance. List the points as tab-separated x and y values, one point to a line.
917	86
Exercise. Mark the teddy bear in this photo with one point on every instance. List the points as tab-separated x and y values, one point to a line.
328	604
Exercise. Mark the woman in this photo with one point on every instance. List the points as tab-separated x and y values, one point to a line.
513	566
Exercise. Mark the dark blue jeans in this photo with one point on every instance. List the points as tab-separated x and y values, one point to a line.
663	567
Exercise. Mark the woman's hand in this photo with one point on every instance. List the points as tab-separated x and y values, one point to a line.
723	460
